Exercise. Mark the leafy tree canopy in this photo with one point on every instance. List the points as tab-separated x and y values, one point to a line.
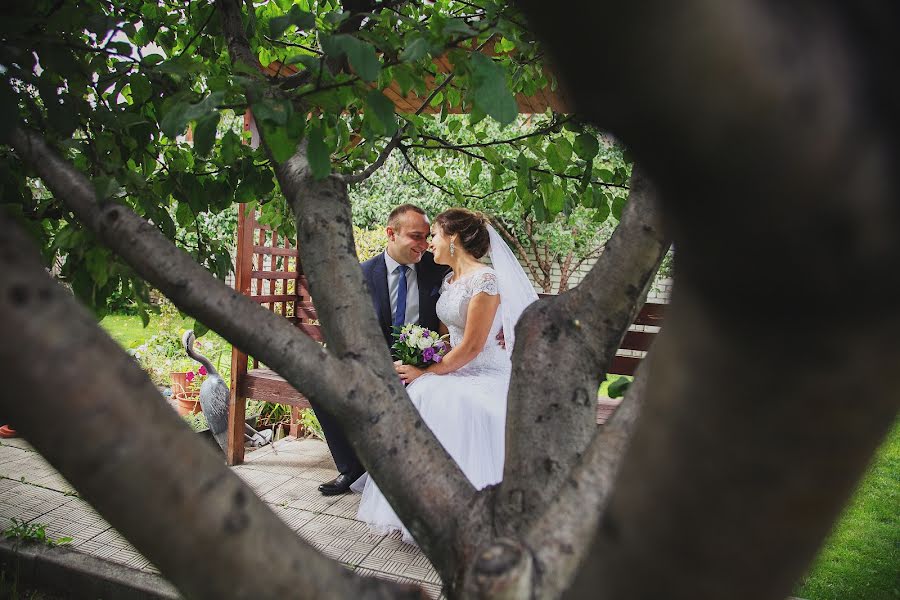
144	98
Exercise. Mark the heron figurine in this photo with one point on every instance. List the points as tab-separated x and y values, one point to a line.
214	400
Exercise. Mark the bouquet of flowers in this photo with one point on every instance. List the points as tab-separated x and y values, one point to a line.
418	346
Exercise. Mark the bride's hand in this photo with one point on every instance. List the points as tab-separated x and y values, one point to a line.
408	373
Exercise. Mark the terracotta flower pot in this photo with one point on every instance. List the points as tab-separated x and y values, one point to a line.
180	383
188	402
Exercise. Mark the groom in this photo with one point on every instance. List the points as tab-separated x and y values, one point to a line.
405	284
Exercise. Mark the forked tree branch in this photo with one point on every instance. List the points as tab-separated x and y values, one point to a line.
137	448
570	341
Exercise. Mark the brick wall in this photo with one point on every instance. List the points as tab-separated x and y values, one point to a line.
659	291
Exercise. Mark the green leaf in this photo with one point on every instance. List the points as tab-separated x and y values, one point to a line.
175	120
383	110
318	154
404	78
618	387
184	215
490	92
618	204
491	155
554	159
510	202
496	178
476	116
364	60
605	175
415	50
361	54
601	204
537	206
455	27
554	198
564	147
475	172
95	260
298	17
587	197
231	147
140	88
205	133
273	111
440	171
586	146
200	329
280	143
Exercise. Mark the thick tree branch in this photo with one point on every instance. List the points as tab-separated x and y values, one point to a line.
137	447
575	337
192	288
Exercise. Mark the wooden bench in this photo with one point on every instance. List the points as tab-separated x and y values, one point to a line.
268	272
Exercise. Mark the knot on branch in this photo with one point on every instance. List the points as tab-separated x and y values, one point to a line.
503	570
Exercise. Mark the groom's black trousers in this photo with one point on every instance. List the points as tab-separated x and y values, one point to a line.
344	457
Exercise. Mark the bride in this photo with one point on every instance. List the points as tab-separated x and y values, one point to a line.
463	398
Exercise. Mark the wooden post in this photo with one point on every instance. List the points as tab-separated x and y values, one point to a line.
237	403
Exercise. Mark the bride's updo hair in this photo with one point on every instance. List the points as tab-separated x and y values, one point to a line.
469	226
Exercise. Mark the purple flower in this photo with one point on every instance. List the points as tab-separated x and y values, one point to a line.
201	370
402	337
438	358
427	354
425	333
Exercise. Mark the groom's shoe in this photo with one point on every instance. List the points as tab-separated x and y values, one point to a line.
338	485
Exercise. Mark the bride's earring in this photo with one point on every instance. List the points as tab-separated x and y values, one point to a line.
452	248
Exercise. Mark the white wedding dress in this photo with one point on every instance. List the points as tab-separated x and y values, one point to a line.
466	409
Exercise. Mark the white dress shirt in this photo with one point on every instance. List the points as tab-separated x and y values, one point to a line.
412	288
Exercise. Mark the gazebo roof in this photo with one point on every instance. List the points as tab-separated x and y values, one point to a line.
537	103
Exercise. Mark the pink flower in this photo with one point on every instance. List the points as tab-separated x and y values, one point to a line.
201	370
189	377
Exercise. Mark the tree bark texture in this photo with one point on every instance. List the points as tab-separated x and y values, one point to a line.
747	450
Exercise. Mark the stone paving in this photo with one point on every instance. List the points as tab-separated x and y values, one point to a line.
31	490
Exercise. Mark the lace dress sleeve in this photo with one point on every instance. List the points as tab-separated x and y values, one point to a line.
485	282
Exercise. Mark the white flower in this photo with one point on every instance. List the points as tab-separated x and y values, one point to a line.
423	343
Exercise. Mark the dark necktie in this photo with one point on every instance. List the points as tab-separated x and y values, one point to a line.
400	313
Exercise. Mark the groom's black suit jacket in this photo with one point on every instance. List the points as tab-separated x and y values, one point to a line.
429	277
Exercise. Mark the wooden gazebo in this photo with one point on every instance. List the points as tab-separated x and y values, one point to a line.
268	271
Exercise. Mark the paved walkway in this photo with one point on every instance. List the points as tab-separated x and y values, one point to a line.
31	490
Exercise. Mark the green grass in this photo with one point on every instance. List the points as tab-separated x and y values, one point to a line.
129	331
861	558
